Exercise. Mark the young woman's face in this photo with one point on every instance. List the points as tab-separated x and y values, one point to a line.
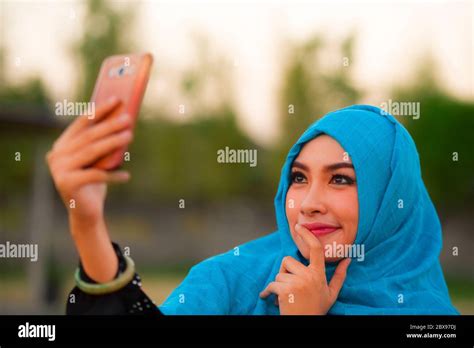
323	195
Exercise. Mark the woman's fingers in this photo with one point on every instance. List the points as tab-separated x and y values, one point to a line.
118	176
291	265
69	183
273	288
338	278
316	254
84	121
286	278
91	176
98	131
93	152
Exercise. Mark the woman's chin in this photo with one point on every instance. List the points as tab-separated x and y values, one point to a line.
326	258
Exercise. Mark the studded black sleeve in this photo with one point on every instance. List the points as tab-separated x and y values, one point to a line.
130	300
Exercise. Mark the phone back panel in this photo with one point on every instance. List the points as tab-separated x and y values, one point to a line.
125	77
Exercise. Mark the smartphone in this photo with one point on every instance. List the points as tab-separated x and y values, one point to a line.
125	77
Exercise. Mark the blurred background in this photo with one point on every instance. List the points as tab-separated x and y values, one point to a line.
247	75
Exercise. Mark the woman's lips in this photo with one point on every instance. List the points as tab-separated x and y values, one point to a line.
319	229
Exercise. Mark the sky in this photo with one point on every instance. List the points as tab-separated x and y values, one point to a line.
392	36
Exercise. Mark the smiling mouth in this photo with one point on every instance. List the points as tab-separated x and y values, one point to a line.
320	229
323	231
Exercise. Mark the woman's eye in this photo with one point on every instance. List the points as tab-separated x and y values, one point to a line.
342	180
297	177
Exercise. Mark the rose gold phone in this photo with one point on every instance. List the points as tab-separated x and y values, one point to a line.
125	77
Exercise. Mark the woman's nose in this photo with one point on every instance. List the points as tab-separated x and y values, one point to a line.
313	202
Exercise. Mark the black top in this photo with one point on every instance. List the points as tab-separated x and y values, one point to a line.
129	300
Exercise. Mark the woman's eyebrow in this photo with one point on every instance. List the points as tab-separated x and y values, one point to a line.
300	165
328	168
340	165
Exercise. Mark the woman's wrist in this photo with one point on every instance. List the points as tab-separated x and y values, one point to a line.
81	225
95	249
122	279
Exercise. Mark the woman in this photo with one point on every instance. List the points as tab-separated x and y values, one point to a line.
351	183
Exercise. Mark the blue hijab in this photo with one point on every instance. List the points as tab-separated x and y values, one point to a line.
398	226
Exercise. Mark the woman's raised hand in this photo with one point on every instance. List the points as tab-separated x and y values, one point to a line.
82	189
304	289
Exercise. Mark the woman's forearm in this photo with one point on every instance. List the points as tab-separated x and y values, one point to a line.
95	248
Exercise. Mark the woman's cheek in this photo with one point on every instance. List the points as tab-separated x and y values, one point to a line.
347	214
291	209
352	216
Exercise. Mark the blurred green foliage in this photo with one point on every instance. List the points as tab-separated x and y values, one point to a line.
107	31
29	96
443	135
172	160
309	91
